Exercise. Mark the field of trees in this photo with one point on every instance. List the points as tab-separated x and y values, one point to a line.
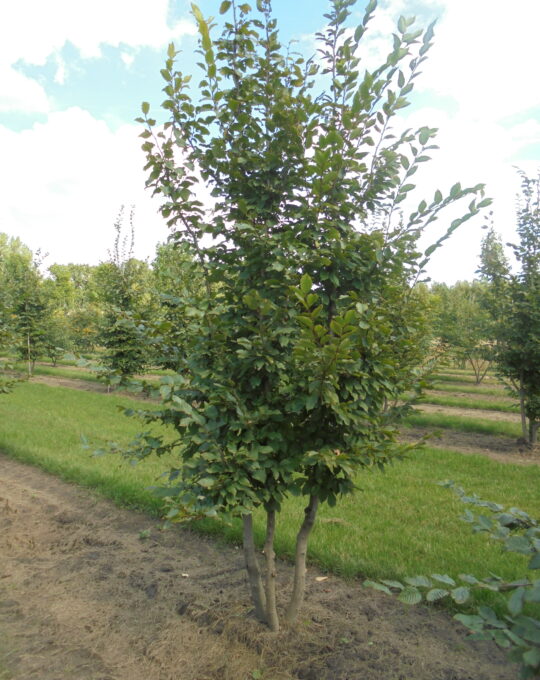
281	378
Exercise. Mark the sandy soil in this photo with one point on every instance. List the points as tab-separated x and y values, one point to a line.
83	597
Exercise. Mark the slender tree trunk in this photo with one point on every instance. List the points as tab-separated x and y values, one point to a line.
28	354
524	429
252	567
299	586
533	432
271	611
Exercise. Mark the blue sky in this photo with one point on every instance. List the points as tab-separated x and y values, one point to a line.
73	75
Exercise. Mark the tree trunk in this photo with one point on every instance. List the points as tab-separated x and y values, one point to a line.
533	432
271	611
252	567
524	428
28	355
297	596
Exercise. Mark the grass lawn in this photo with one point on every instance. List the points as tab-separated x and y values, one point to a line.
464	402
398	523
465	378
464	424
495	391
61	372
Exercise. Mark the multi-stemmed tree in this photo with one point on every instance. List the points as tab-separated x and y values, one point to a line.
307	329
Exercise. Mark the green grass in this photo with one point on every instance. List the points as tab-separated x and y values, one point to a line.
398	523
463	402
43	425
60	372
464	424
463	378
479	390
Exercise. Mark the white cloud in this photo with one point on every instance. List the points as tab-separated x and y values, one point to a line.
482	67
32	31
35	29
65	183
20	93
485	57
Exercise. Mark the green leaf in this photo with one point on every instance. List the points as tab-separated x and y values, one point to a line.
224	7
455	190
393	584
206	482
535	561
443	578
311	401
472	622
410	595
306	283
515	601
468	579
533	594
436	594
532	658
461	594
421	581
377	586
197	12
145	108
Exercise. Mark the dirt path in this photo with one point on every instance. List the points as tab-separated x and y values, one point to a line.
480	414
496	447
83	597
503	398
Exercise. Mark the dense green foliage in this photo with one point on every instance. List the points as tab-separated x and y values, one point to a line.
518	311
310	330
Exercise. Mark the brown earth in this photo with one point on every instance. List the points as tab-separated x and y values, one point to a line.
497	447
503	398
492	384
84	597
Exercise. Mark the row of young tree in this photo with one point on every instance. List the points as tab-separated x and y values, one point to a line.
130	313
494	322
117	311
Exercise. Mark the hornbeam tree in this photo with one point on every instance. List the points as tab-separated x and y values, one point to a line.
307	329
518	312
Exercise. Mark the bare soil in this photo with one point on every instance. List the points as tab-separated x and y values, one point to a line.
492	384
502	398
84	597
496	447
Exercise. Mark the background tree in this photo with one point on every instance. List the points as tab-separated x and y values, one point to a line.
494	266
75	297
28	314
518	316
123	284
176	275
463	324
295	354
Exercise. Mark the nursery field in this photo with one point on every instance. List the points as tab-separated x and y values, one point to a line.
92	590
